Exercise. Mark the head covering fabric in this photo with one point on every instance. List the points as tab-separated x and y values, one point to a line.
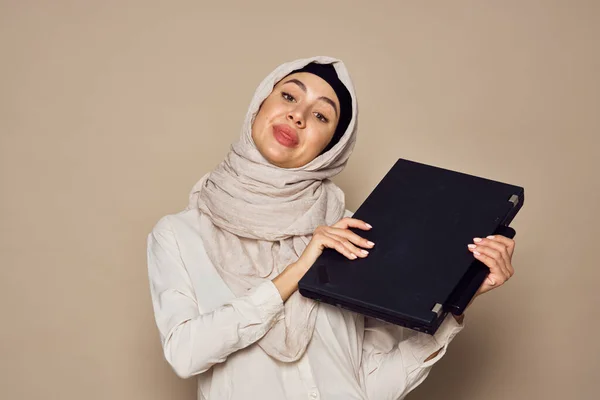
328	74
256	218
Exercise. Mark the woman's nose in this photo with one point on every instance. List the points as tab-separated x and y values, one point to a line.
297	118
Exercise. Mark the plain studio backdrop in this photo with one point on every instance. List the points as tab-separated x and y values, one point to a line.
111	110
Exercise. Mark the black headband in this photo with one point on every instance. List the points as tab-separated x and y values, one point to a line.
328	74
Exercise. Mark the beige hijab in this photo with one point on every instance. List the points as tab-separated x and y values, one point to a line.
257	218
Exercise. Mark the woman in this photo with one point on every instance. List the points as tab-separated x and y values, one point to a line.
224	272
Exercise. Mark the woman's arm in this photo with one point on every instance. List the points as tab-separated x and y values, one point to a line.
193	342
459	320
287	282
396	360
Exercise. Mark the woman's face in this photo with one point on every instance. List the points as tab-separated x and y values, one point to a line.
297	121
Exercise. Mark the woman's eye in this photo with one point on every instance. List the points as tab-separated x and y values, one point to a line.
321	117
287	96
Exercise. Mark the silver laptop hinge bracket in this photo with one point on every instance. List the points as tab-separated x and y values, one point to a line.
437	309
514	199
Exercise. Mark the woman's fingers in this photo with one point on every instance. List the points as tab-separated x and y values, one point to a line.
496	250
496	276
500	243
336	243
361	253
343	240
508	242
350	236
348	222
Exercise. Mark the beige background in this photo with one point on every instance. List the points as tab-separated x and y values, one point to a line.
111	110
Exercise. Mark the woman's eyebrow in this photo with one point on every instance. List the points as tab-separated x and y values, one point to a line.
328	100
302	86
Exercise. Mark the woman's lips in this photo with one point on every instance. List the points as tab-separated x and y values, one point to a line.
285	135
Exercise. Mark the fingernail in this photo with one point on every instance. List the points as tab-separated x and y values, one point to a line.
477	240
353	256
491	281
491	237
471	246
477	253
368	226
364	251
370	243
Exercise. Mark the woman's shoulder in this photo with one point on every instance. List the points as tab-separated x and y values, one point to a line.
181	223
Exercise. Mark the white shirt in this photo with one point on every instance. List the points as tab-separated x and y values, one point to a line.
207	332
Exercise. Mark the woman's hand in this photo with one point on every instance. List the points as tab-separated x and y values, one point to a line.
339	238
496	253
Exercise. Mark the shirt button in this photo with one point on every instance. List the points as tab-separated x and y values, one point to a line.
313	395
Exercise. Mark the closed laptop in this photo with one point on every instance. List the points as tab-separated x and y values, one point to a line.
420	269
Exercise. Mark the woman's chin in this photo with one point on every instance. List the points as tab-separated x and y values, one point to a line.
279	155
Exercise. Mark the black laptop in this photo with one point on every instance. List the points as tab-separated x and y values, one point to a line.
420	269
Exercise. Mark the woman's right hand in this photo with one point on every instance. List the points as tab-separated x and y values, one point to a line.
336	236
339	238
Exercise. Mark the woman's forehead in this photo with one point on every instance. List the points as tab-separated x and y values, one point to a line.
308	82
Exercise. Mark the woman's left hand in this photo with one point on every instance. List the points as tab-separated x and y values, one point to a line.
496	253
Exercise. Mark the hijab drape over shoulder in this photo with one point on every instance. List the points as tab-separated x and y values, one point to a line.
257	218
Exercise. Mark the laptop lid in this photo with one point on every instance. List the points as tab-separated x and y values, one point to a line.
423	217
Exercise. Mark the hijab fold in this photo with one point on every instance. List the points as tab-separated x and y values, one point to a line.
257	218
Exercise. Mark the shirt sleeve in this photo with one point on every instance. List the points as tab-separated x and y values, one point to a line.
394	357
192	341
